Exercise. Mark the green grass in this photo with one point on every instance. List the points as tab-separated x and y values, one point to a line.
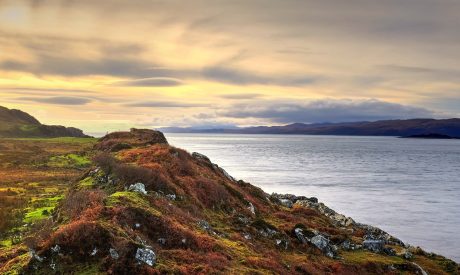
58	139
362	256
38	214
69	160
87	182
28	128
5	243
132	199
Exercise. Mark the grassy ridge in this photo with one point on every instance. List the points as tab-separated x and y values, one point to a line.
195	218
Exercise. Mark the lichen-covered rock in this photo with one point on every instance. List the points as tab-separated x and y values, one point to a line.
324	245
114	254
138	187
300	236
406	254
146	255
35	256
318	240
252	208
375	246
171	197
282	243
205	225
378	234
328	212
55	249
287	203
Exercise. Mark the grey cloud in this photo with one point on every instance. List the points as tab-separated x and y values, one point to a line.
40	91
242	96
240	77
164	104
58	100
418	70
151	82
326	111
67	66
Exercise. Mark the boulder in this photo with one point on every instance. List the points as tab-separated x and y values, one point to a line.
376	246
287	203
299	234
138	187
337	218
323	244
146	255
204	225
252	208
113	254
171	197
406	254
318	240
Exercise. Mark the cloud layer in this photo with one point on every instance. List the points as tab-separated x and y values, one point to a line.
327	111
240	62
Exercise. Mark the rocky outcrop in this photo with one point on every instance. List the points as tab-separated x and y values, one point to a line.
337	218
146	255
117	141
314	237
138	187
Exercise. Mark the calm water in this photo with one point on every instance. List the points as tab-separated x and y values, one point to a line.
408	187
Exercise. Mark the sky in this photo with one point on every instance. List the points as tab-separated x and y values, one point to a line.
111	65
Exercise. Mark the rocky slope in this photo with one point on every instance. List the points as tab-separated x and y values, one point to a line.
16	123
145	207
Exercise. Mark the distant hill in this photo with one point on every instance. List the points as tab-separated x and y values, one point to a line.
16	123
408	127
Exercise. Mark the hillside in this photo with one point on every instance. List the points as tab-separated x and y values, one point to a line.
144	207
16	123
409	127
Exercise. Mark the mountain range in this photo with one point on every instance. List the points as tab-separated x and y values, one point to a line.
407	127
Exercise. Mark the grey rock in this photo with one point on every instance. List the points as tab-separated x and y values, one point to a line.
375	233
287	203
205	225
375	246
282	243
171	197
323	244
138	187
299	234
243	219
267	232
161	241
337	218
35	256
56	249
252	208
146	255
406	254
114	254
317	240
247	236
